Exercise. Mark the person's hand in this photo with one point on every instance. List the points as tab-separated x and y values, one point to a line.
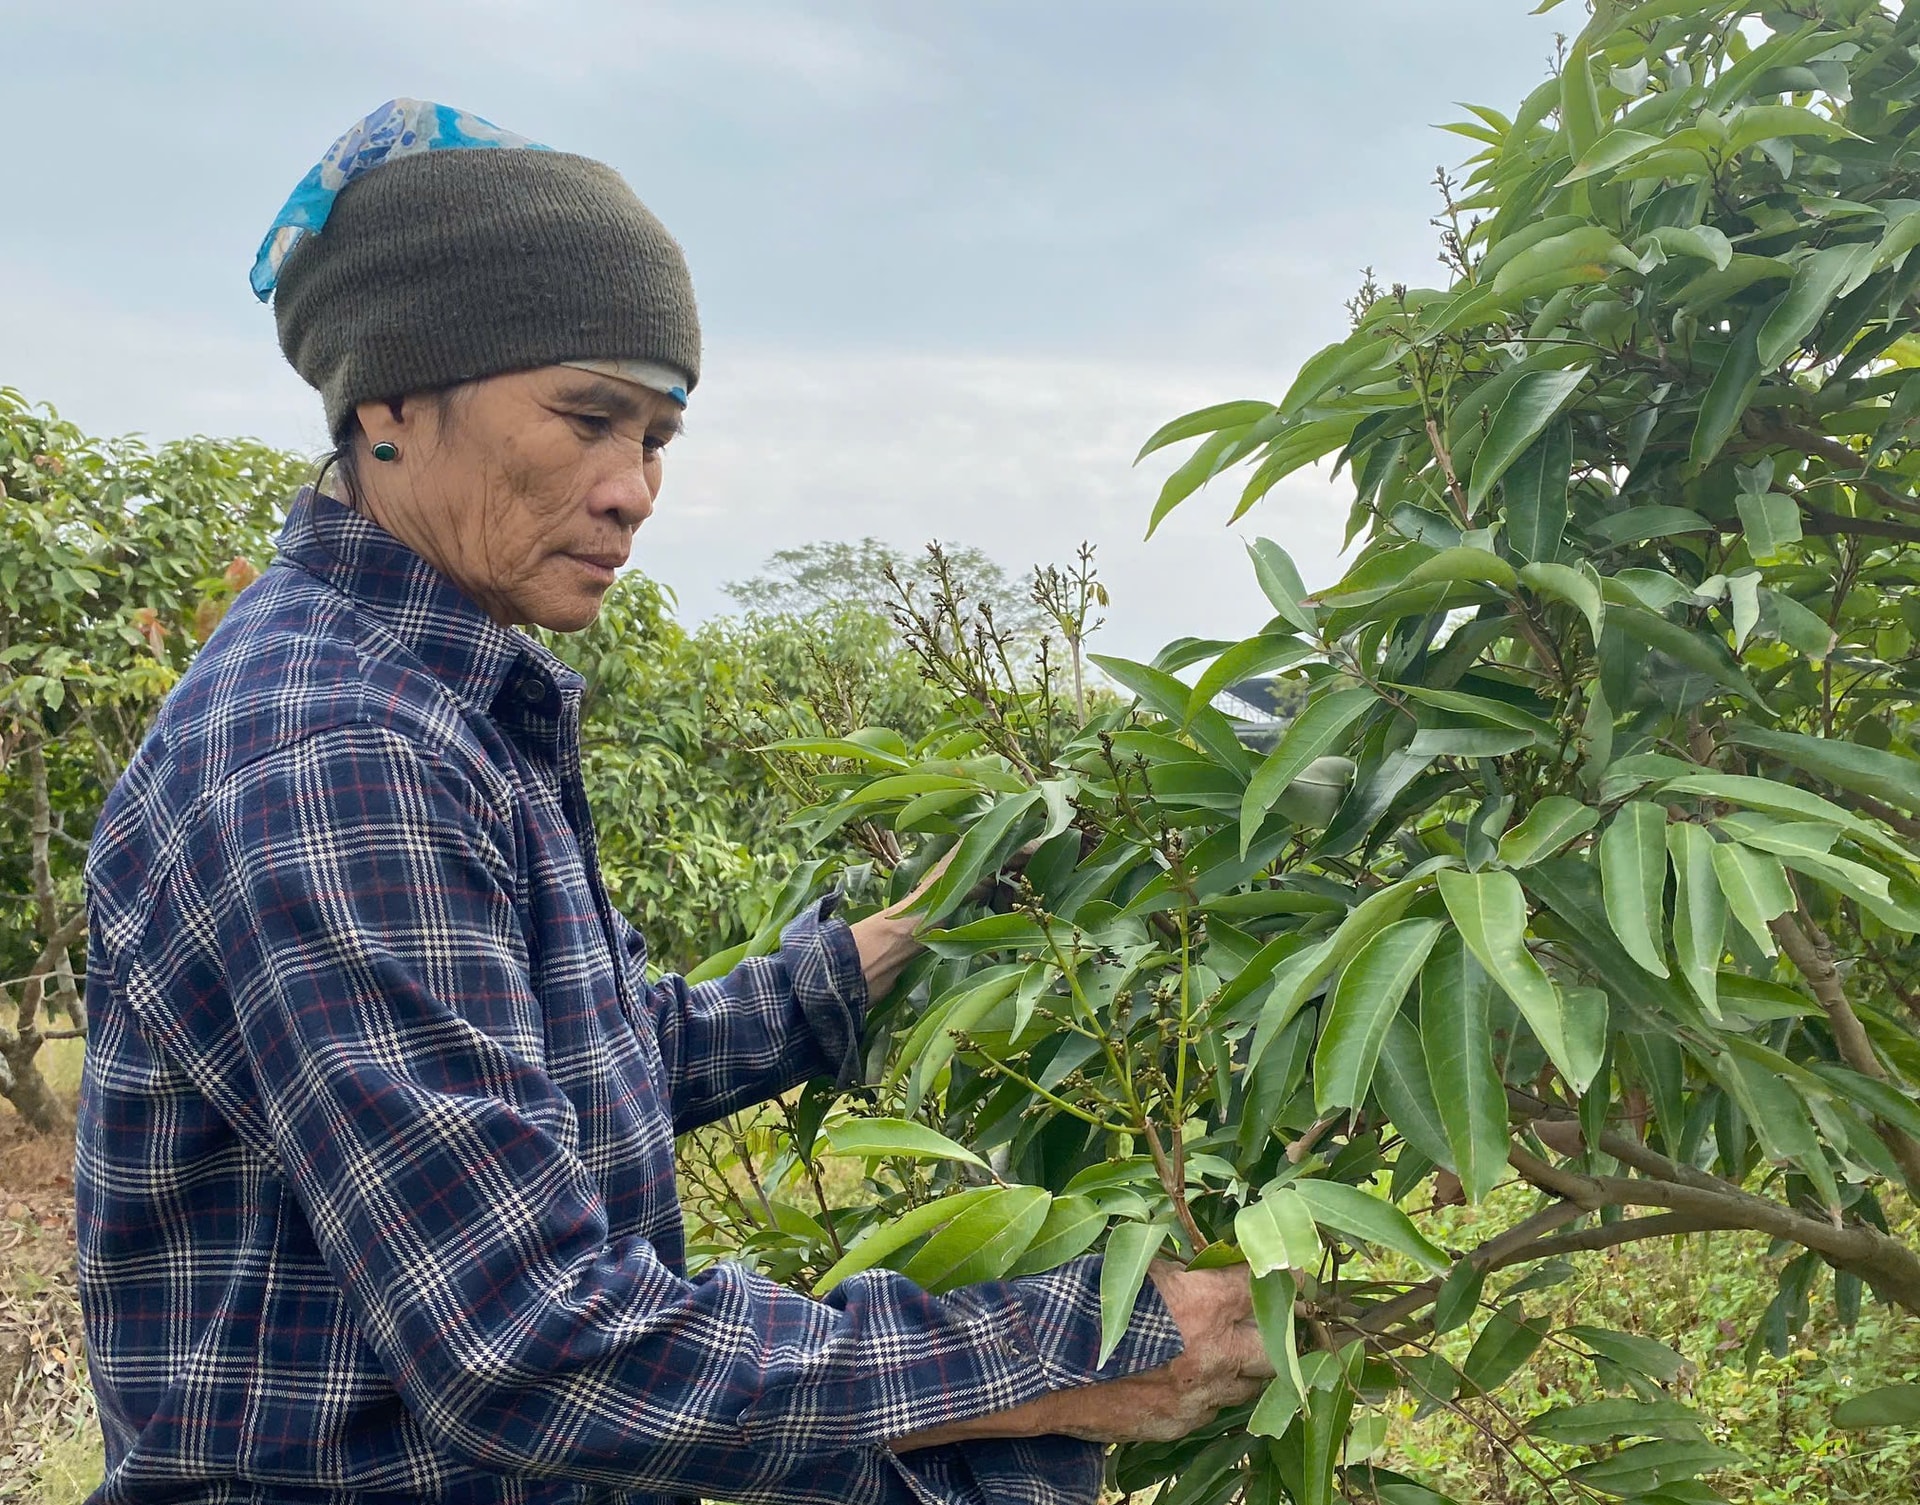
1223	1364
886	940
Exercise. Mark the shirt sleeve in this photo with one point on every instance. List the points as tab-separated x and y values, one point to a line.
381	988
769	1024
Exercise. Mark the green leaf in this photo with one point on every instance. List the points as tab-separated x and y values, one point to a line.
1701	241
1630	1351
1491	913
1728	395
1404	1091
1784	799
1256	655
1363	1002
1458	1298
1527	409
1587	253
979	849
1222	415
1274	1294
1633	876
1535	488
1130	1251
1166	697
1575	586
1884	776
1602	1421
1549	826
1704	653
1313	733
1072	1224
1756	889
1617	146
1647	1466
1352	1212
1505	1343
1277	1233
1479	708
1456	1035
1273	568
1699	911
1771	521
1889	1406
1815	283
889	1237
894	1136
982	1242
1798	627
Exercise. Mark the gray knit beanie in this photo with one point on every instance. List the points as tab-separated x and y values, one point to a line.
447	266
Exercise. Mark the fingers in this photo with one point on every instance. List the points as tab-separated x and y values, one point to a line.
1248	1353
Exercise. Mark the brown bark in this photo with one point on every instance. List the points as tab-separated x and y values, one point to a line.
1810	951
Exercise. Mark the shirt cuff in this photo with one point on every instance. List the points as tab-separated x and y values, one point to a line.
829	985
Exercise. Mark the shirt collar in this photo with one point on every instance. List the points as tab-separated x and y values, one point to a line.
445	628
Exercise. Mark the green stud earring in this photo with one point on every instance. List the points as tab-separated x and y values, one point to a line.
386	450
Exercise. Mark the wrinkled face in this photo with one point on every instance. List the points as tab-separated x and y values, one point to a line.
524	489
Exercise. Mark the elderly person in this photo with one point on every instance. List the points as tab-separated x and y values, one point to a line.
375	1168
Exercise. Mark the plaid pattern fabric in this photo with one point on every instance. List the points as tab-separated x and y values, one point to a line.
375	1171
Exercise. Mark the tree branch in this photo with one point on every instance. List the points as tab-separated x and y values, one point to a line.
1811	953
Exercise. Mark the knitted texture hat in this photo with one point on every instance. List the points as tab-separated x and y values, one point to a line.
452	265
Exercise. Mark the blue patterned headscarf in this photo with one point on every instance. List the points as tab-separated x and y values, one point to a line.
399	128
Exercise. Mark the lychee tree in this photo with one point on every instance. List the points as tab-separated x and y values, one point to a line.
1591	863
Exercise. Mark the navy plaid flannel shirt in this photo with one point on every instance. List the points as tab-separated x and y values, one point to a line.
375	1164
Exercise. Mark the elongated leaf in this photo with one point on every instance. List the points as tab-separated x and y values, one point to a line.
1633	875
1278	578
1783	799
1700	652
1617	146
1865	770
984	842
1222	415
1536	495
889	1237
1350	1211
1607	1420
1527	409
1732	388
1756	889
1889	1406
1244	660
1631	1351
1072	1224
1364	1001
1815	283
1165	696
1130	1250
1640	1469
1274	1294
1583	254
1277	1233
982	1242
1314	732
1456	1036
1491	913
1459	1296
1699	911
1505	1343
1403	1088
1575	586
1549	826
895	1136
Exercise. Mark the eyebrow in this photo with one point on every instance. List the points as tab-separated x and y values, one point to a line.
618	398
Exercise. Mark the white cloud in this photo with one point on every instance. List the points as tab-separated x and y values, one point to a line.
1022	457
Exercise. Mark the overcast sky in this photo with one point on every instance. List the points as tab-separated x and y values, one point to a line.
955	261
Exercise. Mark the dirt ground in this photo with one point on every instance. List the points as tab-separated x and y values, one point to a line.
49	1434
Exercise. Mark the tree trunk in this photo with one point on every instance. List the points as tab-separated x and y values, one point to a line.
22	1085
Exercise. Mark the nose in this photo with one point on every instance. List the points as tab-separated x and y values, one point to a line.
627	497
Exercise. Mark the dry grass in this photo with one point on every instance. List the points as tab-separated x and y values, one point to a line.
50	1449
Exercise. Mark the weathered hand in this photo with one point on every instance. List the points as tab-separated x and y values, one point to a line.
1223	1364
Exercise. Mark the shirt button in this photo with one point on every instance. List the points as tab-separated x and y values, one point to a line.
533	692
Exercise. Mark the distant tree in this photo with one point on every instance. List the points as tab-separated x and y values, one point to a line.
869	575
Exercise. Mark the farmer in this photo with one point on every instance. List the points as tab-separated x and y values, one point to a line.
375	1169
